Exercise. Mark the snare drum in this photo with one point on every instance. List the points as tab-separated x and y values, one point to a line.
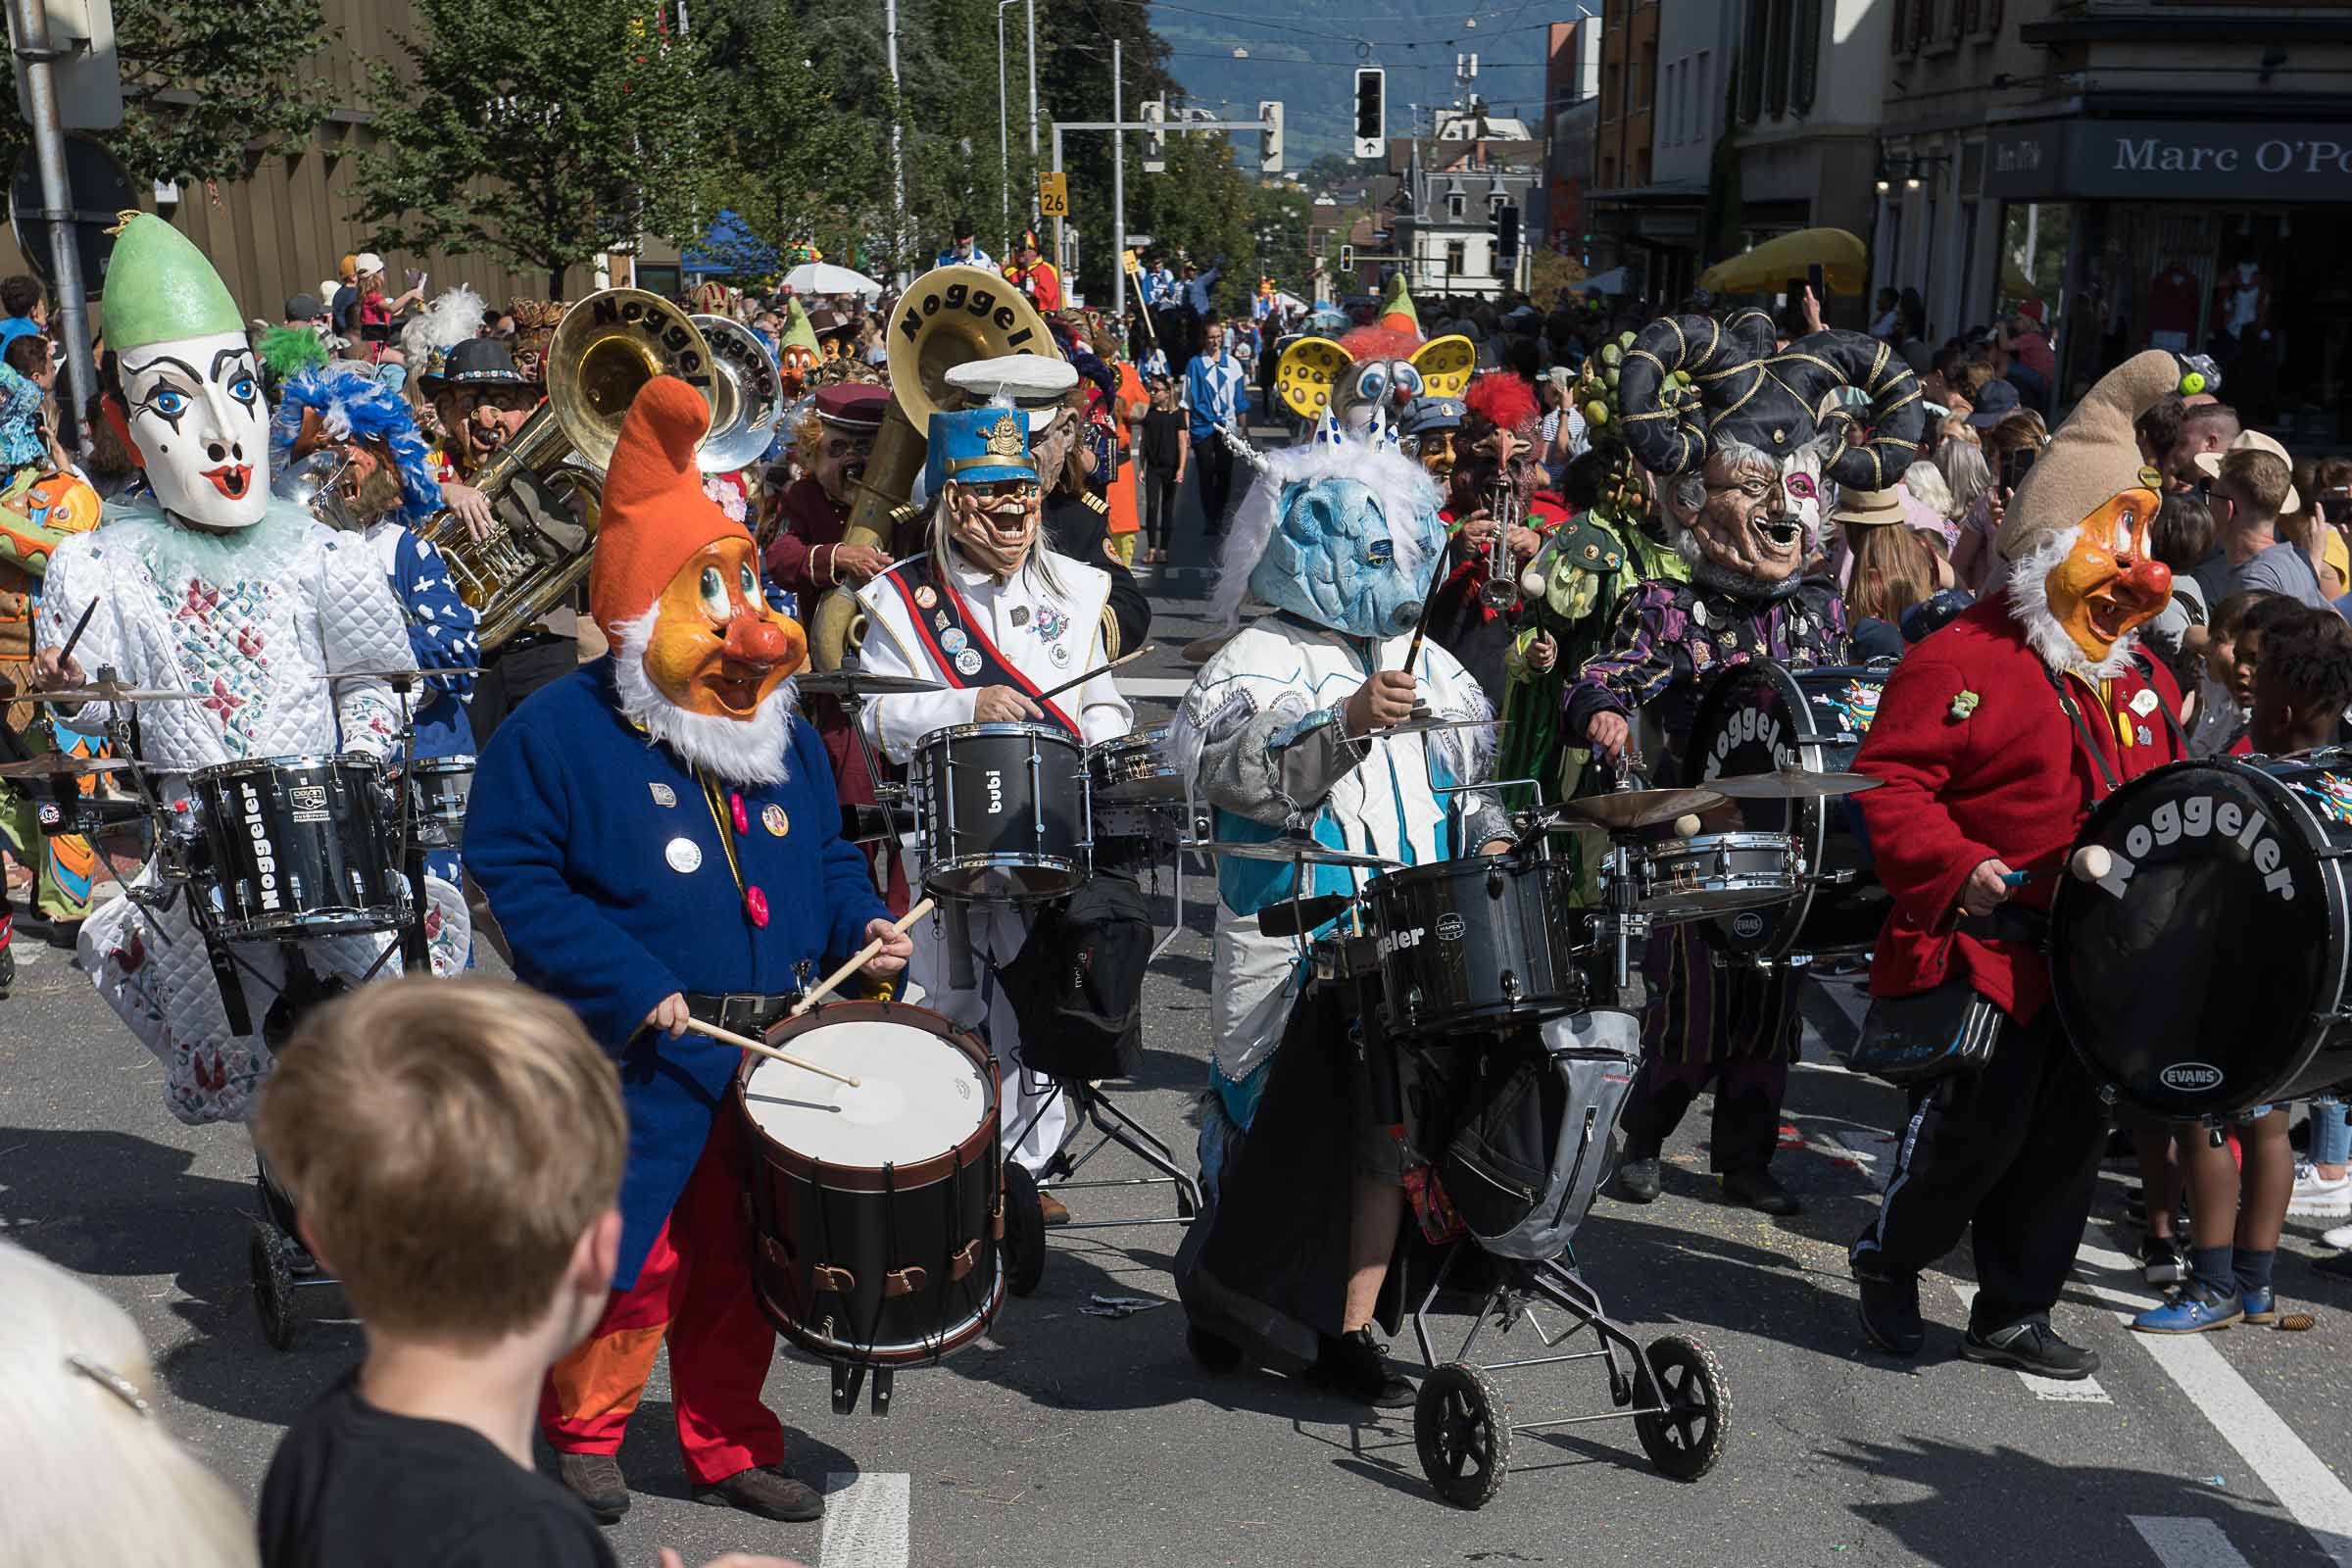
438	789
1486	940
1003	811
1760	717
298	847
875	1209
1134	767
1714	873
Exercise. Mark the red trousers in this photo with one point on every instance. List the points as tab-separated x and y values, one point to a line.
695	1290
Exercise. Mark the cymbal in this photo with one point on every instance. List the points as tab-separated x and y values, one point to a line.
1791	784
399	674
114	691
860	683
1288	846
58	764
1620	810
1430	725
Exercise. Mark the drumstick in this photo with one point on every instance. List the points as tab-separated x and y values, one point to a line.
1083	677
859	960
79	626
697	1026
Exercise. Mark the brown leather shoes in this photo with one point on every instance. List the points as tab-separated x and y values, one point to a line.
596	1479
1056	1212
771	1492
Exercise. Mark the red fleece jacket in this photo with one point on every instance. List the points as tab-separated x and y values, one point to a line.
2012	781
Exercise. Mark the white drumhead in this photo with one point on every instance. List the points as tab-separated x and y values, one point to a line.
918	1096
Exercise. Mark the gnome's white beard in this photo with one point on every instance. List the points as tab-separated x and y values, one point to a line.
2030	604
739	750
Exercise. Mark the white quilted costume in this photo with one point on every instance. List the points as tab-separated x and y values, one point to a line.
256	619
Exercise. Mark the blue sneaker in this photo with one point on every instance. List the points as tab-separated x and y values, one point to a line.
2262	1304
2194	1309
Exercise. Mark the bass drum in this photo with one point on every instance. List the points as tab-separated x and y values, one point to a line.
1760	717
2204	972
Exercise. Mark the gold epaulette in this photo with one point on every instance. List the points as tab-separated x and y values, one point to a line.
1099	507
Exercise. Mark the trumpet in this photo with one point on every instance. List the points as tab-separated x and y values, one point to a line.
1501	590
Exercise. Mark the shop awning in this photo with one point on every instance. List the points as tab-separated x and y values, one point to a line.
1767	268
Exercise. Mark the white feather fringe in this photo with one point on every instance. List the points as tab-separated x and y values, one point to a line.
1404	490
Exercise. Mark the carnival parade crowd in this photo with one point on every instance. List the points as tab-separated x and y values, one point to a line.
765	728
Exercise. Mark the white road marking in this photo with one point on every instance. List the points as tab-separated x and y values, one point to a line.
865	1521
1160	688
2188	1543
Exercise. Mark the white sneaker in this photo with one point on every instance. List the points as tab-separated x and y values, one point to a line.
2339	1238
2315	1195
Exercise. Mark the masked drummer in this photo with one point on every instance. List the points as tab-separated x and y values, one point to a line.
384	487
1992	739
658	836
999	619
212	585
1280	733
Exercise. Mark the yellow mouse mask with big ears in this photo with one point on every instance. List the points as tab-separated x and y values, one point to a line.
1372	369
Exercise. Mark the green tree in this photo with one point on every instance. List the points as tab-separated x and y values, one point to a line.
542	131
208	88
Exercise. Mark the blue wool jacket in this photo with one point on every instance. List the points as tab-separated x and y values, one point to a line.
578	830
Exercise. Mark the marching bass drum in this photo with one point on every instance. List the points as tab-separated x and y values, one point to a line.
2202	970
1764	716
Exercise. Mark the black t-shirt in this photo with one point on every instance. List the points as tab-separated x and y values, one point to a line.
1162	428
355	1487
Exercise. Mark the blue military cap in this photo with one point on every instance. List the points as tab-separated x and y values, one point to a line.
1424	414
977	445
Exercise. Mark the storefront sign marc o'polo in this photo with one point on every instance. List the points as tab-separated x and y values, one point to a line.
2161	161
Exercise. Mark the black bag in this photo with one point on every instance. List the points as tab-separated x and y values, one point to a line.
1530	1147
1943	1033
1077	986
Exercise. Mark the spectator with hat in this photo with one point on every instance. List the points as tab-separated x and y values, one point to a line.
1034	275
964	250
2249	487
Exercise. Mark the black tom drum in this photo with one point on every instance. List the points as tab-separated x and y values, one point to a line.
299	847
1486	940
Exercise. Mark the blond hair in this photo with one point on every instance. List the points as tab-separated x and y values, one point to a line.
94	1476
447	1143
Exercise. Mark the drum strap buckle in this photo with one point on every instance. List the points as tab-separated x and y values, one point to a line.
905	1281
840	1281
965	1260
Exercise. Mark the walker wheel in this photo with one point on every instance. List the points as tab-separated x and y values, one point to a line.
1462	1429
1024	1231
273	1287
1214	1351
1684	1438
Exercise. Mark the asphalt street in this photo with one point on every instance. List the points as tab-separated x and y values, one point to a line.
1068	1438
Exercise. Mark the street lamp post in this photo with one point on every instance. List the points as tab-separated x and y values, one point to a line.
1003	136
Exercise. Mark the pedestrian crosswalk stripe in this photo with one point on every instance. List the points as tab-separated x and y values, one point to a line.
2188	1542
865	1521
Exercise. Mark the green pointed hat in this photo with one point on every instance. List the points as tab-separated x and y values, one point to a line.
158	286
797	329
1396	310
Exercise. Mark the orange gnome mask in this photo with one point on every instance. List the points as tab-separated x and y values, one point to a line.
675	584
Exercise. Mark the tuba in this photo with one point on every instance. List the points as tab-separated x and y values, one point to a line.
948	316
750	395
605	350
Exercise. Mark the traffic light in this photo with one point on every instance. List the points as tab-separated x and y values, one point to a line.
1346	258
1155	139
1506	231
1269	141
1371	112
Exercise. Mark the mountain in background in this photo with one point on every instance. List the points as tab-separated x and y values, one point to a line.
1305	53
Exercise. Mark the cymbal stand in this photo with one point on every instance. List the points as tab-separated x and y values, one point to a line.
1625	922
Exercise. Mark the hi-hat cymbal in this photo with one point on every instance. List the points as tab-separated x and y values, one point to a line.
1620	810
1288	846
399	674
1791	784
114	691
862	683
59	765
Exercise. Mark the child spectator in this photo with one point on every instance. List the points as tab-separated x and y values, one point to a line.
2226	694
453	1150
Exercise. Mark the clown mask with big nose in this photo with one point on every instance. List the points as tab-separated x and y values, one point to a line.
1758	513
201	427
2083	592
994	524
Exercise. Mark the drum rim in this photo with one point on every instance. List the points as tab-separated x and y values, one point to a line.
991	862
898	1352
1462	866
2304	821
1002	727
339	922
426	766
874	1178
1746	838
252	764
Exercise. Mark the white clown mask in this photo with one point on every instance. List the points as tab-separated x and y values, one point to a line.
199	421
